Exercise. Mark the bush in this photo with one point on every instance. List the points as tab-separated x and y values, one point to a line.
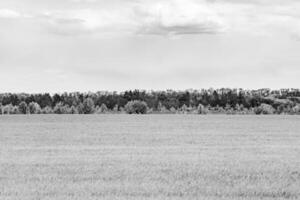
296	109
201	109
47	110
173	110
102	109
60	108
162	109
184	109
7	109
34	108
88	106
116	108
23	108
136	107
73	110
264	109
15	110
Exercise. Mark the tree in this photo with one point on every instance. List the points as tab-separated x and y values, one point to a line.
56	99
15	110
184	109
23	108
73	110
60	108
102	108
34	108
136	107
296	109
7	109
88	106
201	109
184	99
161	108
116	108
215	100
44	100
80	108
47	110
173	110
264	109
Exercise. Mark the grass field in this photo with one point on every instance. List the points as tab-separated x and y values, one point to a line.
139	157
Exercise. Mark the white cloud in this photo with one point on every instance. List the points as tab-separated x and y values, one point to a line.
7	13
169	17
162	18
88	21
178	17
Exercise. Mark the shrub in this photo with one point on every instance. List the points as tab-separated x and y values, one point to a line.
23	108
47	110
60	108
102	109
162	109
122	110
264	109
15	110
173	110
7	109
34	108
80	108
116	108
88	106
184	109
201	109
73	110
296	109
136	107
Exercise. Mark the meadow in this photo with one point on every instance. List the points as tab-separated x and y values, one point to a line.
139	157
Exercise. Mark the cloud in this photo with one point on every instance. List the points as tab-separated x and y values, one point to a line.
7	13
87	21
160	29
161	18
178	17
168	17
62	23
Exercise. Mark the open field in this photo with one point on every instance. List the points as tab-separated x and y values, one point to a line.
149	157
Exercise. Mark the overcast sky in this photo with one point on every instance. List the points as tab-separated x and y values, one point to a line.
91	45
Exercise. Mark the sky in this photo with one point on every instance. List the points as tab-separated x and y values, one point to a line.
116	45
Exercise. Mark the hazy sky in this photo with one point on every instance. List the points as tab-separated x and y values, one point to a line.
90	45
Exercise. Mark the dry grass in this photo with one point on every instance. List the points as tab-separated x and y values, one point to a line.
149	157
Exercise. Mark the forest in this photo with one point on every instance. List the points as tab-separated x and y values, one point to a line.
204	101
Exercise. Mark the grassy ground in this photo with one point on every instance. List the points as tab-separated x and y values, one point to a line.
149	157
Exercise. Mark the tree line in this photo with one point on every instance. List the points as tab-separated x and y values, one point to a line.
204	101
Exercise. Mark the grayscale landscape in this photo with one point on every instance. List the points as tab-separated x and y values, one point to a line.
149	100
228	157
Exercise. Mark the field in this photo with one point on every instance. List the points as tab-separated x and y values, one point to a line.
86	157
